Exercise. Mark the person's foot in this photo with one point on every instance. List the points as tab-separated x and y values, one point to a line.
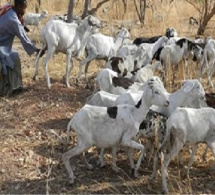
18	90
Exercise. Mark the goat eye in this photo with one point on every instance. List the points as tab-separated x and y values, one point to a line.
157	92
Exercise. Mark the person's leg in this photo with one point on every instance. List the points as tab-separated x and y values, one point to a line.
4	83
15	74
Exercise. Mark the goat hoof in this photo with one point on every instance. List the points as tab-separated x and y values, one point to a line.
165	191
89	167
116	169
71	181
34	78
135	173
49	86
100	164
152	177
87	87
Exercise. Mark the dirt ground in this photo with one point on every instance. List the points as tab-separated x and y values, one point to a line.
30	153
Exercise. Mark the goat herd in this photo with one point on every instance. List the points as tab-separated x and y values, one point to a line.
131	101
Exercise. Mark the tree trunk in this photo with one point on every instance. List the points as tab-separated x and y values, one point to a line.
125	5
87	6
205	19
141	13
70	11
37	6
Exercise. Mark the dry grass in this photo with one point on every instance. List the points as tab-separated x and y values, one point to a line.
30	155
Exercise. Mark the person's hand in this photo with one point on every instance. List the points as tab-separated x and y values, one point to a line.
26	29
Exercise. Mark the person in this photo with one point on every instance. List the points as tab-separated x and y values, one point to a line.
11	25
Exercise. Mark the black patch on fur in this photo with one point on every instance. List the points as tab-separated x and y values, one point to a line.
194	58
140	40
143	125
210	99
112	111
125	72
115	64
138	104
157	54
122	82
180	42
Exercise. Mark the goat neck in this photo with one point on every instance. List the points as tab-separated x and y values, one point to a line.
158	44
84	30
117	44
142	107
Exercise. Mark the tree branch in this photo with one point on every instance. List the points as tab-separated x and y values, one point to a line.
94	10
194	5
138	13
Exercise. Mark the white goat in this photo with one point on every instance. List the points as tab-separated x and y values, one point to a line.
100	46
108	127
187	126
190	91
102	98
68	38
34	19
64	17
209	59
147	72
189	95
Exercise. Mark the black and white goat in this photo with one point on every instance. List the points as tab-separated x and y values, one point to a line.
171	55
107	127
170	32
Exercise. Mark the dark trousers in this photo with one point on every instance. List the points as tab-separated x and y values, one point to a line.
13	79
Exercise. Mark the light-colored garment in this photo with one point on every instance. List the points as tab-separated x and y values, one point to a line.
10	26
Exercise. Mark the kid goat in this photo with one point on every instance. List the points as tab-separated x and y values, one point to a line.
107	127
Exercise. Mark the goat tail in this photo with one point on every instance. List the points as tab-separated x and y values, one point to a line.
96	87
40	53
68	129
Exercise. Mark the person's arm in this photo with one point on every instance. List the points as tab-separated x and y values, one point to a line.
26	42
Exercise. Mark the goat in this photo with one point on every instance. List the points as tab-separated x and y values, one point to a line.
68	38
34	19
102	98
75	18
185	126
108	80
107	127
193	21
146	72
174	53
131	57
170	32
100	46
209	60
155	119
190	90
